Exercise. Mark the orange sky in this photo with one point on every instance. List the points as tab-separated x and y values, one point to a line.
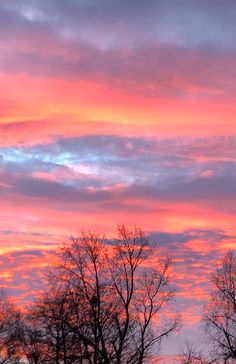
117	123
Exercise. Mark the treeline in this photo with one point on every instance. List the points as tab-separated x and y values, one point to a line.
106	303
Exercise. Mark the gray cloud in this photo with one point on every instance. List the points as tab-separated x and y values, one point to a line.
103	170
152	69
174	48
167	239
111	23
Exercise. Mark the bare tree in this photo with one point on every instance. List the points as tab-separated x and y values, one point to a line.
117	297
220	313
44	333
9	318
31	341
192	356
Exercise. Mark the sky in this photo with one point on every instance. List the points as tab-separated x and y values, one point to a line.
118	111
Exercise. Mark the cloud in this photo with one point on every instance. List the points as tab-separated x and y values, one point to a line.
123	22
76	74
167	238
24	273
108	172
153	65
153	70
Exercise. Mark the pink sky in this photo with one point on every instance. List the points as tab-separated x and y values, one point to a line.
118	112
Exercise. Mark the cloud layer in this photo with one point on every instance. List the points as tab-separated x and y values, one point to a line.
117	111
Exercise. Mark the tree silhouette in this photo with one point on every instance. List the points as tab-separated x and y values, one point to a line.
104	304
220	313
115	296
45	334
192	356
9	318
